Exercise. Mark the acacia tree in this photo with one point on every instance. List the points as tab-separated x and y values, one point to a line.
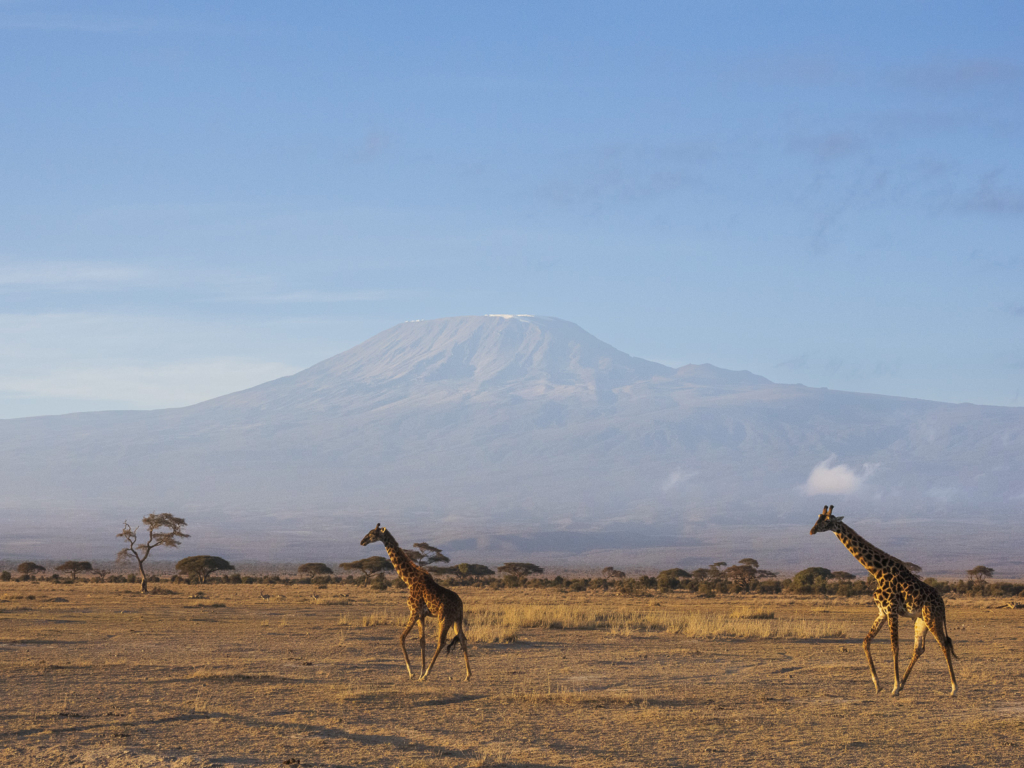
74	567
163	530
519	570
977	573
425	555
29	569
369	566
315	569
200	567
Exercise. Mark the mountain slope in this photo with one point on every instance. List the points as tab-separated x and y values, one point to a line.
517	437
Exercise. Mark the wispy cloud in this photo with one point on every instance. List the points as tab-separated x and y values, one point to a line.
828	147
322	297
798	363
59	274
75	23
625	174
962	74
139	386
676	478
991	196
836	479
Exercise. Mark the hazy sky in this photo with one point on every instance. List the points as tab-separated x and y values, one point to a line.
196	197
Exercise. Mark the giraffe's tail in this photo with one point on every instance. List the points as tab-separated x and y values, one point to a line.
949	641
455	639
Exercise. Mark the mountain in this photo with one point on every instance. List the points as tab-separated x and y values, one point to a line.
514	437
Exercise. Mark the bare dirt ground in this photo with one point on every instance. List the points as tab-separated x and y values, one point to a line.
248	675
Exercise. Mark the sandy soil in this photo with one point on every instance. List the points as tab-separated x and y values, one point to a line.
95	675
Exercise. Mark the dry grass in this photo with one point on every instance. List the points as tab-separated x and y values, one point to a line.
111	679
504	623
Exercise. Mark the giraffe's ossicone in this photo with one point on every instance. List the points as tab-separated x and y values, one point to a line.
899	593
426	598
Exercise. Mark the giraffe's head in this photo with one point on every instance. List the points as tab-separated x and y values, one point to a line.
372	536
825	521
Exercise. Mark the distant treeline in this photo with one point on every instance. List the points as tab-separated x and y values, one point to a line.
702	582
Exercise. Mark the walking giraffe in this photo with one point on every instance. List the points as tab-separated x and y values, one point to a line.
426	598
899	593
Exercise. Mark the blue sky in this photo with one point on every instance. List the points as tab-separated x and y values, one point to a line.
197	197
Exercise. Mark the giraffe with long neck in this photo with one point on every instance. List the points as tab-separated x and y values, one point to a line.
426	598
899	593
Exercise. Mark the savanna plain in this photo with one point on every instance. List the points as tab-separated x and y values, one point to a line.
249	675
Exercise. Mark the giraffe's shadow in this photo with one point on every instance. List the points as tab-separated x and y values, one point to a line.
454	698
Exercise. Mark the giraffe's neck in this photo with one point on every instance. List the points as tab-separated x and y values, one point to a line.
871	557
404	567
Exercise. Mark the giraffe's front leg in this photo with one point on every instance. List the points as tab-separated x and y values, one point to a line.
408	628
867	648
894	637
423	646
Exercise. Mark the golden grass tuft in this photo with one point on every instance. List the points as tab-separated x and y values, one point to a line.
381	619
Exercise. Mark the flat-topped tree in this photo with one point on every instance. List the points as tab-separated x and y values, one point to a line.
162	530
977	573
519	569
369	566
29	569
516	573
315	569
199	567
74	567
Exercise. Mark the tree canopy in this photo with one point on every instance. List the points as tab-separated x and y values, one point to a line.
74	567
474	569
977	573
806	577
519	569
315	569
369	566
425	555
29	568
201	566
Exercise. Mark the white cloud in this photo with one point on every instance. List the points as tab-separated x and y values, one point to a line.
836	479
676	478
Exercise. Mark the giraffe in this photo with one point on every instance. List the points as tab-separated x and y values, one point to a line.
899	593
426	598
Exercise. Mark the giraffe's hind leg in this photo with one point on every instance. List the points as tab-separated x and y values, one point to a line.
465	648
408	628
938	629
867	648
445	625
920	634
894	638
